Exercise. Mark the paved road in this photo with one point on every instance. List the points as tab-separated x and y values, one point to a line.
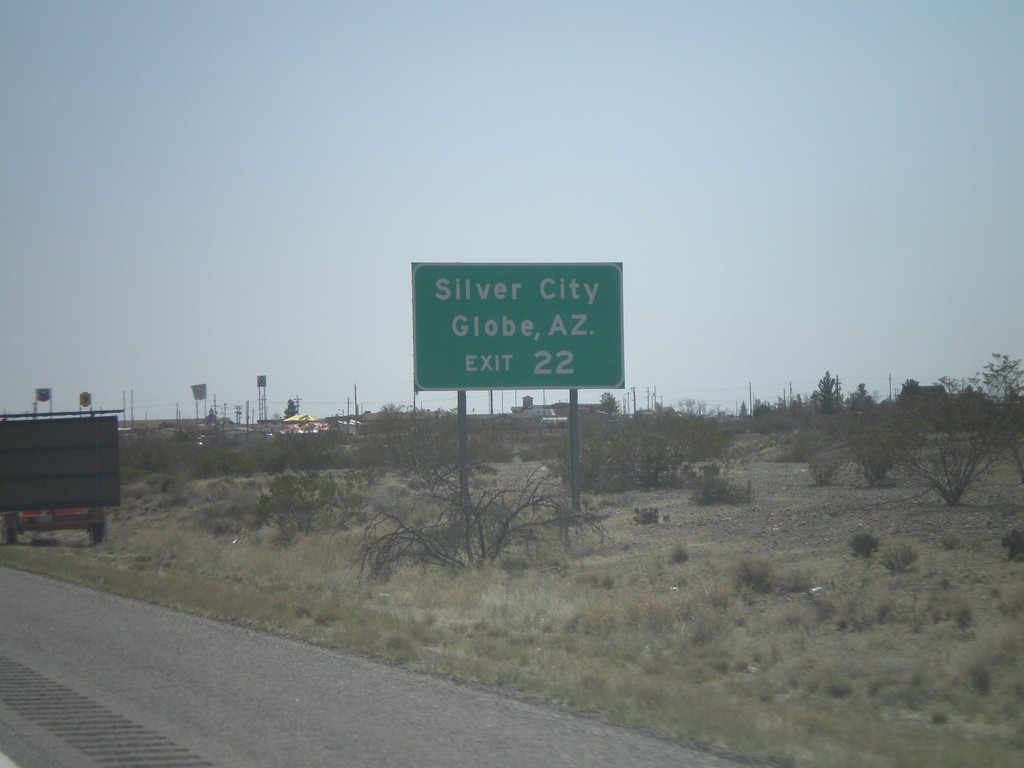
150	688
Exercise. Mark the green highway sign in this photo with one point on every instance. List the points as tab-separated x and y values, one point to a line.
517	326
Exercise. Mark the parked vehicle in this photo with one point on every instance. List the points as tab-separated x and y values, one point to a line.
90	519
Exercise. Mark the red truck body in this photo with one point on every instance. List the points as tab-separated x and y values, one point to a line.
90	519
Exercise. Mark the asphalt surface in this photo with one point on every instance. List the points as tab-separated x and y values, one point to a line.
89	679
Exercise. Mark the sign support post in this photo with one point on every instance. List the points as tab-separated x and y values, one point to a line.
574	446
464	460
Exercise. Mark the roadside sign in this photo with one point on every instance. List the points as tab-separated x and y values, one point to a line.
53	463
517	326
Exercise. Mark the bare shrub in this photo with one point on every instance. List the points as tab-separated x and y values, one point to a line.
454	532
825	469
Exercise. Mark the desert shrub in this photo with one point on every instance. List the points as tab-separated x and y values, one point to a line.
824	676
646	453
226	507
695	438
864	544
795	618
704	626
897	556
979	677
1017	457
679	555
755	573
1014	544
142	455
183	456
603	580
875	447
796	580
646	515
825	469
301	453
711	485
949	540
802	446
425	445
864	609
295	504
944	605
1013	604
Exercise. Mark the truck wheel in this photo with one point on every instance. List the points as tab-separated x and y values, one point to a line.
98	531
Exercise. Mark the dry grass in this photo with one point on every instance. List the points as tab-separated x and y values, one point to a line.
768	637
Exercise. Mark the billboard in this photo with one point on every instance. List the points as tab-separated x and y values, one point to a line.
517	326
53	463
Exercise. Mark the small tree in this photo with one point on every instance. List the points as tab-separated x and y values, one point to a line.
291	409
860	400
955	439
609	404
829	395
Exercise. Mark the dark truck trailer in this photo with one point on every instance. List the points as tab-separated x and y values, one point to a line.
90	519
58	474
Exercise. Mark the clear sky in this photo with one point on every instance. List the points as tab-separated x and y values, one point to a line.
201	192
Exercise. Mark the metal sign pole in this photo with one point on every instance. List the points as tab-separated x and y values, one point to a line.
464	459
574	446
